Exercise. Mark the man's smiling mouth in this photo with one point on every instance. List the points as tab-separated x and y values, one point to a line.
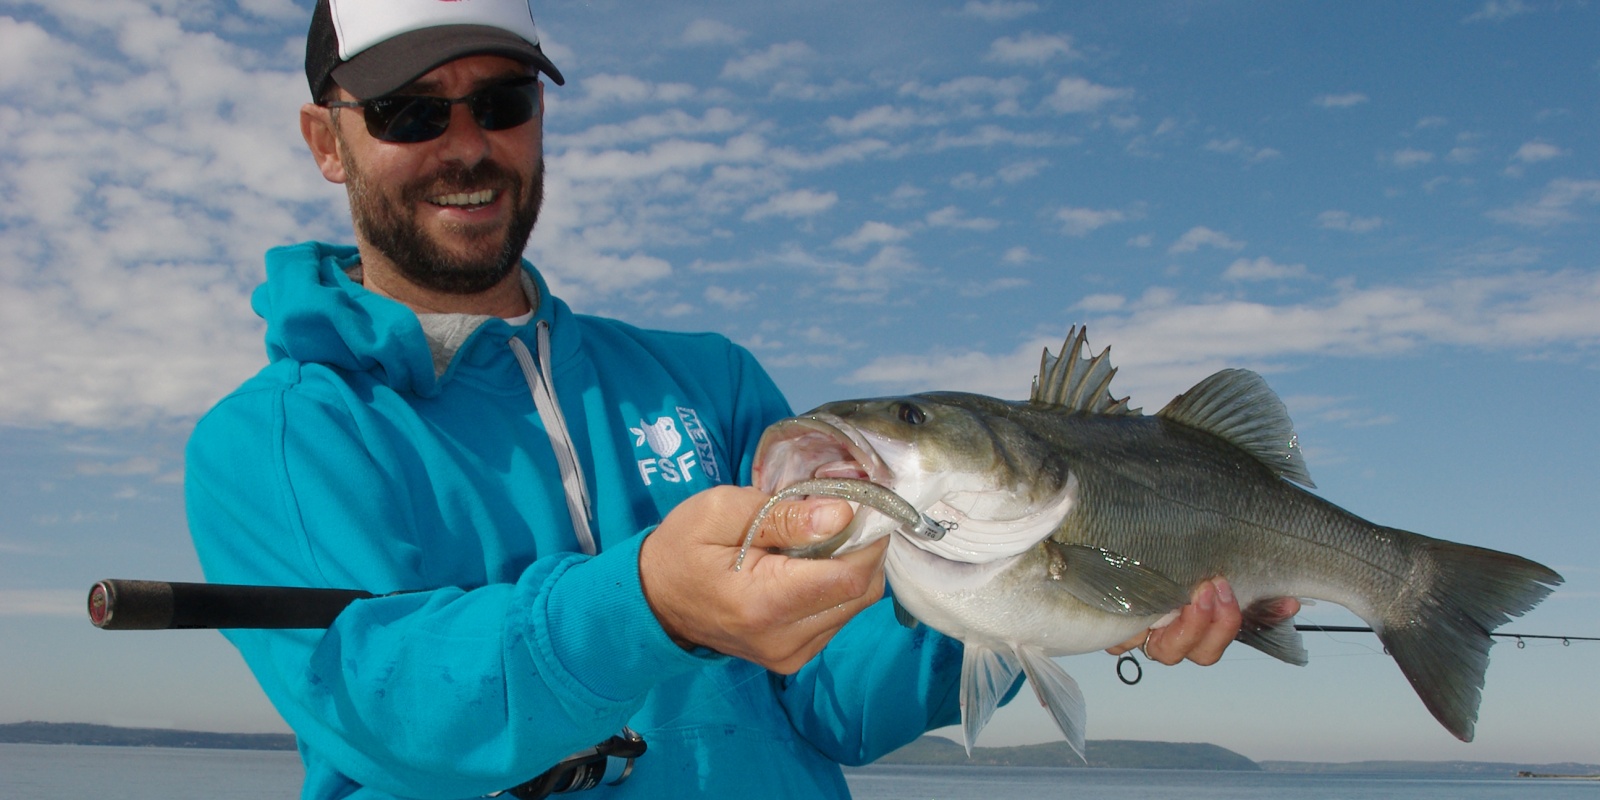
464	199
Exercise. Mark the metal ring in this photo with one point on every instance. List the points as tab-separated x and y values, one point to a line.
1144	648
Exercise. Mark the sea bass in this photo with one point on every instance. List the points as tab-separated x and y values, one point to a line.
1071	523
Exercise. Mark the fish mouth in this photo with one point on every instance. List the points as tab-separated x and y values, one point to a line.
815	446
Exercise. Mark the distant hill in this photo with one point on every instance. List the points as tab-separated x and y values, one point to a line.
1501	768
1111	753
78	733
937	750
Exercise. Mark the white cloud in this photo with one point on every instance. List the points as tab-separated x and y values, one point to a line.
877	118
137	195
1201	236
795	204
1162	344
1498	10
759	65
1535	152
1238	147
1345	100
672	124
1345	221
711	31
1411	157
871	234
1263	269
606	91
41	603
1074	95
1018	255
1021	170
952	217
967	88
1030	48
1555	206
998	10
1083	221
728	298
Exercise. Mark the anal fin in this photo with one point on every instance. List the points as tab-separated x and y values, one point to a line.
1268	629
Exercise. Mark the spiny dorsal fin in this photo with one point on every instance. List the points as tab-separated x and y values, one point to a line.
1237	405
1076	382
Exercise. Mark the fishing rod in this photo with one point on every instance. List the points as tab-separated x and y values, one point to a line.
1566	641
1127	660
135	605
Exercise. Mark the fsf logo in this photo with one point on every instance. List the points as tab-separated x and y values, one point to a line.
665	439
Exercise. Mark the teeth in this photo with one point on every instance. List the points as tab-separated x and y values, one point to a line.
464	198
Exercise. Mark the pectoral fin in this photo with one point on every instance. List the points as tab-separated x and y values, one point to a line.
986	676
1112	582
902	616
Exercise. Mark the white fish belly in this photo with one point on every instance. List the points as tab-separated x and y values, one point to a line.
998	605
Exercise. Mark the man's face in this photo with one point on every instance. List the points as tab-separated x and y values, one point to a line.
451	214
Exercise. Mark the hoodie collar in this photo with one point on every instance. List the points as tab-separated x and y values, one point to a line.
317	311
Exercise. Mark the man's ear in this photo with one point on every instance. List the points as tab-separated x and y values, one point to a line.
316	126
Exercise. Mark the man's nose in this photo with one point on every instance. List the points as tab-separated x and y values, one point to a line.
463	142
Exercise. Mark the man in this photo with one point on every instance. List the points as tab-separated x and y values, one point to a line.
435	427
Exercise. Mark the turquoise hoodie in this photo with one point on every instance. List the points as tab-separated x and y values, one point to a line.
387	452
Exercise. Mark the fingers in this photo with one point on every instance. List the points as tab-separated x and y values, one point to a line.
1203	630
775	611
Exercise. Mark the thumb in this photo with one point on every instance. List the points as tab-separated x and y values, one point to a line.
793	524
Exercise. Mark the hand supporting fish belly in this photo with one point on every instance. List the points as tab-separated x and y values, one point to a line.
1073	523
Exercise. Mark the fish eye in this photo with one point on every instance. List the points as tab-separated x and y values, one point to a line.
910	413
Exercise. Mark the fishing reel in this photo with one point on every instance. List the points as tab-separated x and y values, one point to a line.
609	762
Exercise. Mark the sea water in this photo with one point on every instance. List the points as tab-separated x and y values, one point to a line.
67	772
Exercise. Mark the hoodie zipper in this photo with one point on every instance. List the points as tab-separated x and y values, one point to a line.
542	387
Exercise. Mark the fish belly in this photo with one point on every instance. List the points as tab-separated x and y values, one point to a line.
1002	605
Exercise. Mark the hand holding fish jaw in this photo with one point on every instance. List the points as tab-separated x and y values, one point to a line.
777	611
1203	629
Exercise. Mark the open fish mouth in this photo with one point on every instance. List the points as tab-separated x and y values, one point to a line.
815	446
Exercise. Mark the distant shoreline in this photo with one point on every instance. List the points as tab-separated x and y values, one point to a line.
929	750
110	736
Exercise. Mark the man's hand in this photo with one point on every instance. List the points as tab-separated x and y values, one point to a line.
776	611
1203	629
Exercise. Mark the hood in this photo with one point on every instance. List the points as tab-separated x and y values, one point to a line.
317	313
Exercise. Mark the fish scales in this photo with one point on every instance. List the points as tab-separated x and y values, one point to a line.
1072	522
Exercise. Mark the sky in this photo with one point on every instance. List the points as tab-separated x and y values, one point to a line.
1391	211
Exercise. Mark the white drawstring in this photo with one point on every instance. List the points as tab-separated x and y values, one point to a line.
542	387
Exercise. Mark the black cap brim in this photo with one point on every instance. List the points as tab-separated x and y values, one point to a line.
392	64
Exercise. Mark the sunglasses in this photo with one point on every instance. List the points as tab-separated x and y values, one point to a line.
407	119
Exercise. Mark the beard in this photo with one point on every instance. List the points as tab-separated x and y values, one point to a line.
383	222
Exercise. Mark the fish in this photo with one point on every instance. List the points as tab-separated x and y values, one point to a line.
1071	522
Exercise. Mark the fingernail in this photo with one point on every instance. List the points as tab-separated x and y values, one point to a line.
827	518
1224	591
1206	601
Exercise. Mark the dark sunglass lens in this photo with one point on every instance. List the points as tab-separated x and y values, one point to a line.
499	108
408	119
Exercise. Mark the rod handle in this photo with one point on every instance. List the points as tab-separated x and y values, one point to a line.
132	605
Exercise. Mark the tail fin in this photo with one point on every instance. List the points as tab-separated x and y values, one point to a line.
1441	639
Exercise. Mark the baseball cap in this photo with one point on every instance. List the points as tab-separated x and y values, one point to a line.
373	47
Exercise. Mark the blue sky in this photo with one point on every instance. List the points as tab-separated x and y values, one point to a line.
1390	210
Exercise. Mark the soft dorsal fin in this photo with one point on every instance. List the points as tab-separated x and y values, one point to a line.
1237	405
1077	382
